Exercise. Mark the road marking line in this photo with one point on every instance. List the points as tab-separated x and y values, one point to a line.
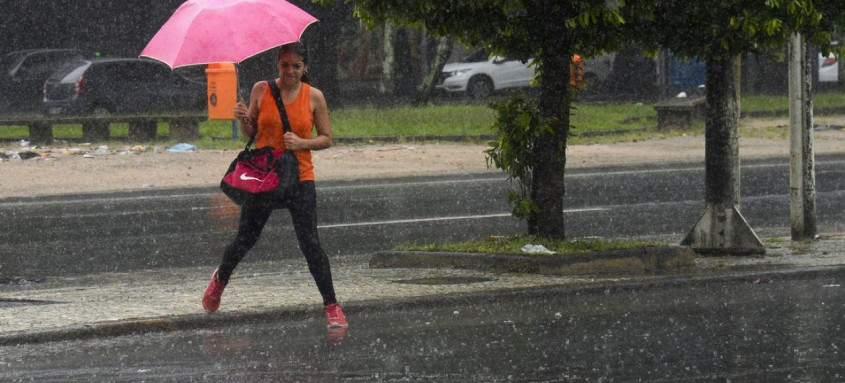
438	219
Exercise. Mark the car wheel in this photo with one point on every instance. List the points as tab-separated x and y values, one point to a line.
479	87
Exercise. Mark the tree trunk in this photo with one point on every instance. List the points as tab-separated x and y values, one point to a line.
547	188
722	131
722	228
405	77
388	78
840	69
441	55
322	46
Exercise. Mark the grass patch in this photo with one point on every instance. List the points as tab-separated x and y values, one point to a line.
763	102
591	123
619	122
446	120
776	240
764	130
611	117
514	244
800	248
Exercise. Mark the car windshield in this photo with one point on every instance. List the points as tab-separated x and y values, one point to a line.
10	61
478	55
70	70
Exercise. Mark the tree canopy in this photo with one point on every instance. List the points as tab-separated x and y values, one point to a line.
518	29
730	27
550	32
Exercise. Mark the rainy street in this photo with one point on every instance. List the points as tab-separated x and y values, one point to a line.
717	126
172	228
732	329
782	329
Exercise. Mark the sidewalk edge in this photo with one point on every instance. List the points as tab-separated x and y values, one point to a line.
205	320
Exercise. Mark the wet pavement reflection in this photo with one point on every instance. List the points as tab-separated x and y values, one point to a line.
754	330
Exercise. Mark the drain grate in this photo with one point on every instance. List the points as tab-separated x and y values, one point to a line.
444	280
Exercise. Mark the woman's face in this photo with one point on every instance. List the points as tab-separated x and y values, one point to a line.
291	68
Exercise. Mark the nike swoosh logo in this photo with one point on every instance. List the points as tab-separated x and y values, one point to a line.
248	178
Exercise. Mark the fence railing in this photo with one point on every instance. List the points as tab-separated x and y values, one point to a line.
142	128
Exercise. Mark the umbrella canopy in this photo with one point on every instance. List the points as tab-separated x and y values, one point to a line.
218	31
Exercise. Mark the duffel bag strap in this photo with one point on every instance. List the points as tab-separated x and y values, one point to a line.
277	94
249	143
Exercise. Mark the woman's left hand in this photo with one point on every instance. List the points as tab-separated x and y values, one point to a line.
293	142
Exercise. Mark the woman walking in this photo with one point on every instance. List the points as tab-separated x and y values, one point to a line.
306	109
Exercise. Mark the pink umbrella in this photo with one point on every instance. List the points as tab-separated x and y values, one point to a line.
218	31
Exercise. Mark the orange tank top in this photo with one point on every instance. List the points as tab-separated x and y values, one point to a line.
271	133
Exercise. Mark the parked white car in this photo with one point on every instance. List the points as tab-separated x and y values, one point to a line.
479	78
828	68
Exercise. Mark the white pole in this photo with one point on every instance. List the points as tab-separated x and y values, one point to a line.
801	162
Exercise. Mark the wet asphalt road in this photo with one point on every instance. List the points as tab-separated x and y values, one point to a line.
787	329
129	231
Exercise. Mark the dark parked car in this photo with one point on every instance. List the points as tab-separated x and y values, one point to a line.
121	86
22	75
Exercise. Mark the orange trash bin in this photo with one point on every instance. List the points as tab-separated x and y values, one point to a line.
222	91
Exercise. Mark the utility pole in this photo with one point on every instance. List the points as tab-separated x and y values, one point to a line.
802	174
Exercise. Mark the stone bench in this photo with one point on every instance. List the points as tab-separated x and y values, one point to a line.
679	112
141	128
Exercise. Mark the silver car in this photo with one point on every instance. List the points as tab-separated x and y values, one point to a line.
828	68
478	76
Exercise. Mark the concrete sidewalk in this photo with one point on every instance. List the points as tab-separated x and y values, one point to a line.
157	300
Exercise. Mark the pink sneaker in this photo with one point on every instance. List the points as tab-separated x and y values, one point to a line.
213	293
335	316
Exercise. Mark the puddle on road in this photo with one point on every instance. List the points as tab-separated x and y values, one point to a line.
444	280
19	281
5	303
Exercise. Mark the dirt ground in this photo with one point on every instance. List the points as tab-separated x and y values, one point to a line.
88	168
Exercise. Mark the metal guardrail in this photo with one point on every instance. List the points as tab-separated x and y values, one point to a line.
142	128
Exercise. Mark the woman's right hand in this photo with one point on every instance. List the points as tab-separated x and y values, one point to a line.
240	110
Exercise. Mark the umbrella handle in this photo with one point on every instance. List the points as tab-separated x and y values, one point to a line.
239	97
243	94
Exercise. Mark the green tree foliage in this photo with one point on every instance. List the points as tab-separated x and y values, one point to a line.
519	127
550	32
730	27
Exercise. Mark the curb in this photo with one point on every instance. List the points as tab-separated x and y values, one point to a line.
642	261
150	325
206	320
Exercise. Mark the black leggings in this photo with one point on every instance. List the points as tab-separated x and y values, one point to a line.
303	211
